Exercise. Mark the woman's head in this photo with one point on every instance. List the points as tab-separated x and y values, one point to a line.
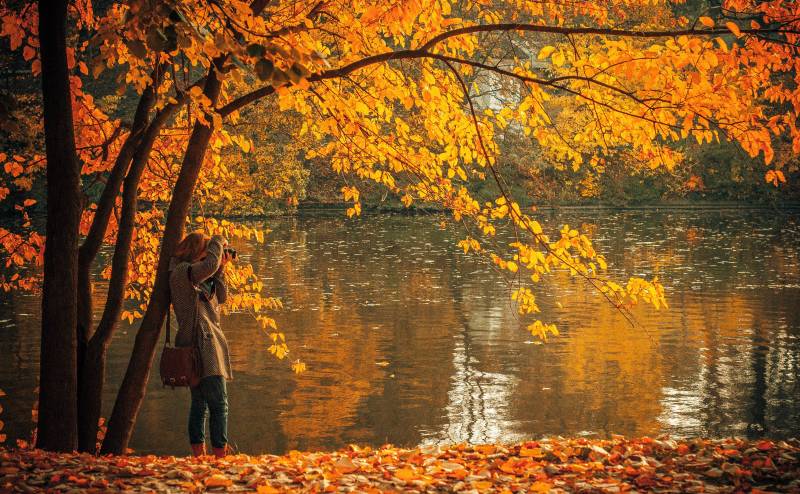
192	247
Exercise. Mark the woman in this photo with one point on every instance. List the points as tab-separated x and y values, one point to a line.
197	282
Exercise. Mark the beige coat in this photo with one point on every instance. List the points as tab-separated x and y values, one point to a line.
191	308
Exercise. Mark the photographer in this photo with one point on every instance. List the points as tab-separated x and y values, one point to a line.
197	283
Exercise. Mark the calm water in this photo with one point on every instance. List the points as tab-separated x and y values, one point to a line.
408	341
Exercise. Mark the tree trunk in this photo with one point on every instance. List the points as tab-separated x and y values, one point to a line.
134	384
57	374
105	205
94	365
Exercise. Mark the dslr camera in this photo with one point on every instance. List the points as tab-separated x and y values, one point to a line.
231	252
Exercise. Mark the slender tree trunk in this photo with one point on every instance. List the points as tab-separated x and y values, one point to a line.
90	387
105	205
86	256
134	384
57	375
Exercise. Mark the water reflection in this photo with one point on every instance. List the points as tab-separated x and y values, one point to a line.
408	342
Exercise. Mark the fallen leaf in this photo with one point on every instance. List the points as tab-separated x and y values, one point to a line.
218	481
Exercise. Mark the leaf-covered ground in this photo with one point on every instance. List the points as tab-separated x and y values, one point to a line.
557	465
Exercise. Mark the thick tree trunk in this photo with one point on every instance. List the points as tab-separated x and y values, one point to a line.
58	377
134	384
94	365
90	390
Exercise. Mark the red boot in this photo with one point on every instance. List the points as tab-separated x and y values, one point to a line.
220	452
199	449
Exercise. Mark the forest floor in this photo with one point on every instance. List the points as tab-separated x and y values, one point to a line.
552	465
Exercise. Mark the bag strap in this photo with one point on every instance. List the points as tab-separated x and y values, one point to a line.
195	325
169	314
169	322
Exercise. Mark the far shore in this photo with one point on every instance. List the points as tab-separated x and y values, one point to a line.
323	208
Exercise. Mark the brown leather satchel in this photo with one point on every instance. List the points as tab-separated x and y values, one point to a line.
181	366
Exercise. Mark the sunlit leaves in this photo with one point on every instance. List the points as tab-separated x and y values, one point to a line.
616	464
279	348
542	330
424	127
775	177
734	28
545	52
707	21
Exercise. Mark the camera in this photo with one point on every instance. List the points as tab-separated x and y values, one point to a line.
231	252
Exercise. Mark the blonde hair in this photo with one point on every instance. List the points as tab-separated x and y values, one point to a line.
191	246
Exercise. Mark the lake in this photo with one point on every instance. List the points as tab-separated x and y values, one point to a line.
409	341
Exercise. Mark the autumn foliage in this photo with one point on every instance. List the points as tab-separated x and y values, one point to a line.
549	465
393	93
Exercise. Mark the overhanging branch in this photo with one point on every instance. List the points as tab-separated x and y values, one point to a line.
424	51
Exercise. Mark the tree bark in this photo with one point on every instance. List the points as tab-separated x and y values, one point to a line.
57	374
134	384
105	205
90	386
87	253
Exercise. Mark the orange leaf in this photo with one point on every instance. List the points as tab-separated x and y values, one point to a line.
405	474
508	467
707	21
218	481
765	445
28	52
345	465
734	28
531	452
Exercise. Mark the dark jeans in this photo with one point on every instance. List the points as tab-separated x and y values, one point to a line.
210	395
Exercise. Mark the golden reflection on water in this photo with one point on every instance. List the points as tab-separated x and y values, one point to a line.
408	342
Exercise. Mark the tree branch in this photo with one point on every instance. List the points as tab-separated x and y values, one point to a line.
424	52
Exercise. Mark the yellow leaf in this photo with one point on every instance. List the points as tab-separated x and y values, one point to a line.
545	52
298	367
